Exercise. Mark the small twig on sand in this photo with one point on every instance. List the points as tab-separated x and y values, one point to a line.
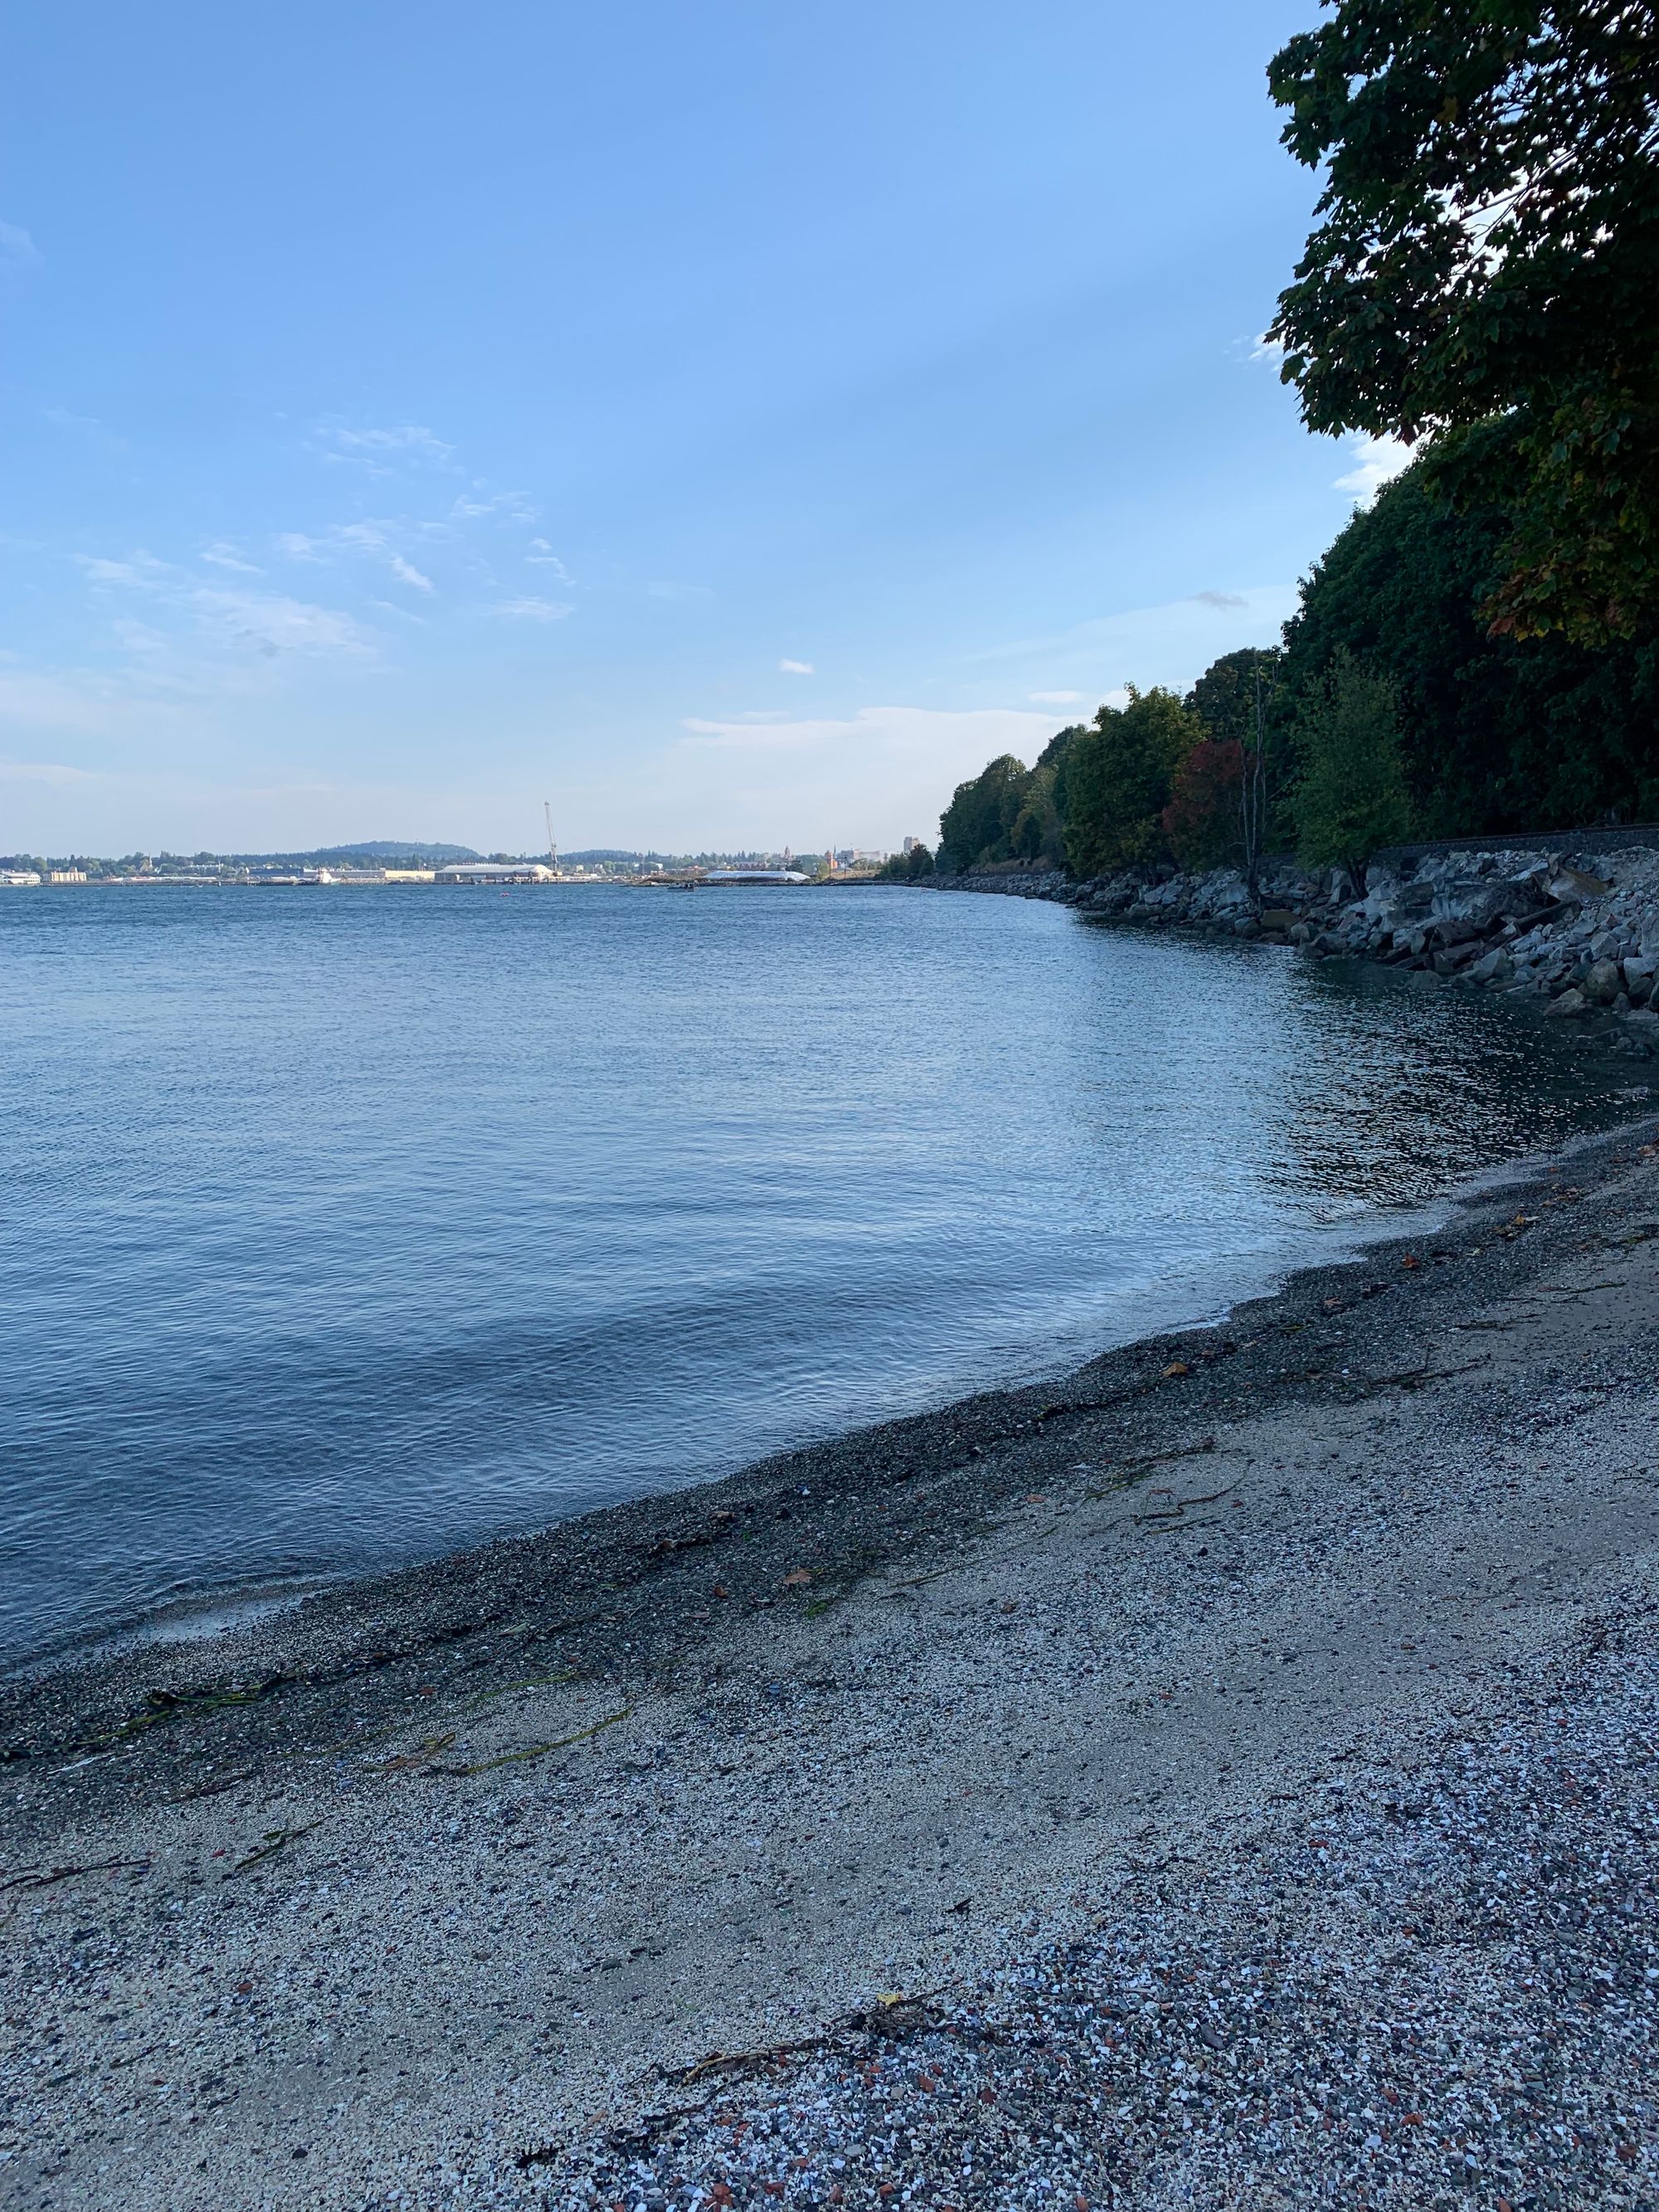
533	1750
277	1840
44	1877
1130	1471
1163	1512
1414	1379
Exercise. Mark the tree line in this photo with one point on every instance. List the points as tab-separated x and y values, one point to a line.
1478	652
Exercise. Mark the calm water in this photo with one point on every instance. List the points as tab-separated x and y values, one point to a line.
344	1227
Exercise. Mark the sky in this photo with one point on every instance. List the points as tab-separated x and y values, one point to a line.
732	424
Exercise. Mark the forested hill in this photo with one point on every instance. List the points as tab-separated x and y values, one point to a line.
1389	709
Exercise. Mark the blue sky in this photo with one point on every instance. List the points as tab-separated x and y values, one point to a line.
732	422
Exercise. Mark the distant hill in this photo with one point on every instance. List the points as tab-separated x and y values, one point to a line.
372	848
600	853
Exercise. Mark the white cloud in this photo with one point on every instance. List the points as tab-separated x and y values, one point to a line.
797	667
539	610
17	249
1219	599
407	573
1263	349
1377	462
222	554
1055	698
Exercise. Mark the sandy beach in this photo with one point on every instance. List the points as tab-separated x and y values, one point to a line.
1224	1776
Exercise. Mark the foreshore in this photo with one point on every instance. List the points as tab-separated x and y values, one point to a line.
1224	1777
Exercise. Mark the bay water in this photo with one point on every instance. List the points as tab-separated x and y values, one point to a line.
341	1227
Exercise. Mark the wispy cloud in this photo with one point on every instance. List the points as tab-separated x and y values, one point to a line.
797	667
542	556
537	610
267	623
1055	698
54	772
17	249
670	591
224	555
1166	644
480	502
407	573
377	448
140	571
1377	461
370	540
270	623
866	778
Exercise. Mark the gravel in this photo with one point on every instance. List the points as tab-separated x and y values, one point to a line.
1433	1984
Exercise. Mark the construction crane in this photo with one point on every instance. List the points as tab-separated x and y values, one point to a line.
552	849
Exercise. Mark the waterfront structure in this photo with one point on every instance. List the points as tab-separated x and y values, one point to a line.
754	876
496	871
15	878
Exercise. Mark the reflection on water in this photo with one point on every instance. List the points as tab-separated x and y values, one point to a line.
344	1227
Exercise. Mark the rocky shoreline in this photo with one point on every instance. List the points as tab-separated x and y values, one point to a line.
1224	1776
1576	924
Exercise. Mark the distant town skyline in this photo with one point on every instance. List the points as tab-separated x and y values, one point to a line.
713	423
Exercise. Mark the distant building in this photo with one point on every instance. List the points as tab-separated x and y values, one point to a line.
911	843
66	875
408	875
17	878
496	872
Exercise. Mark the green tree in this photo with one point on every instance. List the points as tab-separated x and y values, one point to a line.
1118	777
975	826
1485	268
918	862
1224	698
1499	734
1351	798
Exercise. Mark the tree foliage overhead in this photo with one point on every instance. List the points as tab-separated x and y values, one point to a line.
1496	734
1487	254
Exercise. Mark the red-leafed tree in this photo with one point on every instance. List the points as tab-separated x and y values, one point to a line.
1202	820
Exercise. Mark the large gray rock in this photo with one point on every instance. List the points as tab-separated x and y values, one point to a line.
1569	1003
1603	983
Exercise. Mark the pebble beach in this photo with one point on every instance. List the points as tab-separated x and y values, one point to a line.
1224	1777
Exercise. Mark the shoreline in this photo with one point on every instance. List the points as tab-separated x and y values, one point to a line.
464	1866
180	1621
211	1616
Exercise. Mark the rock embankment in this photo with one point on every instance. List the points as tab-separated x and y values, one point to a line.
1579	930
